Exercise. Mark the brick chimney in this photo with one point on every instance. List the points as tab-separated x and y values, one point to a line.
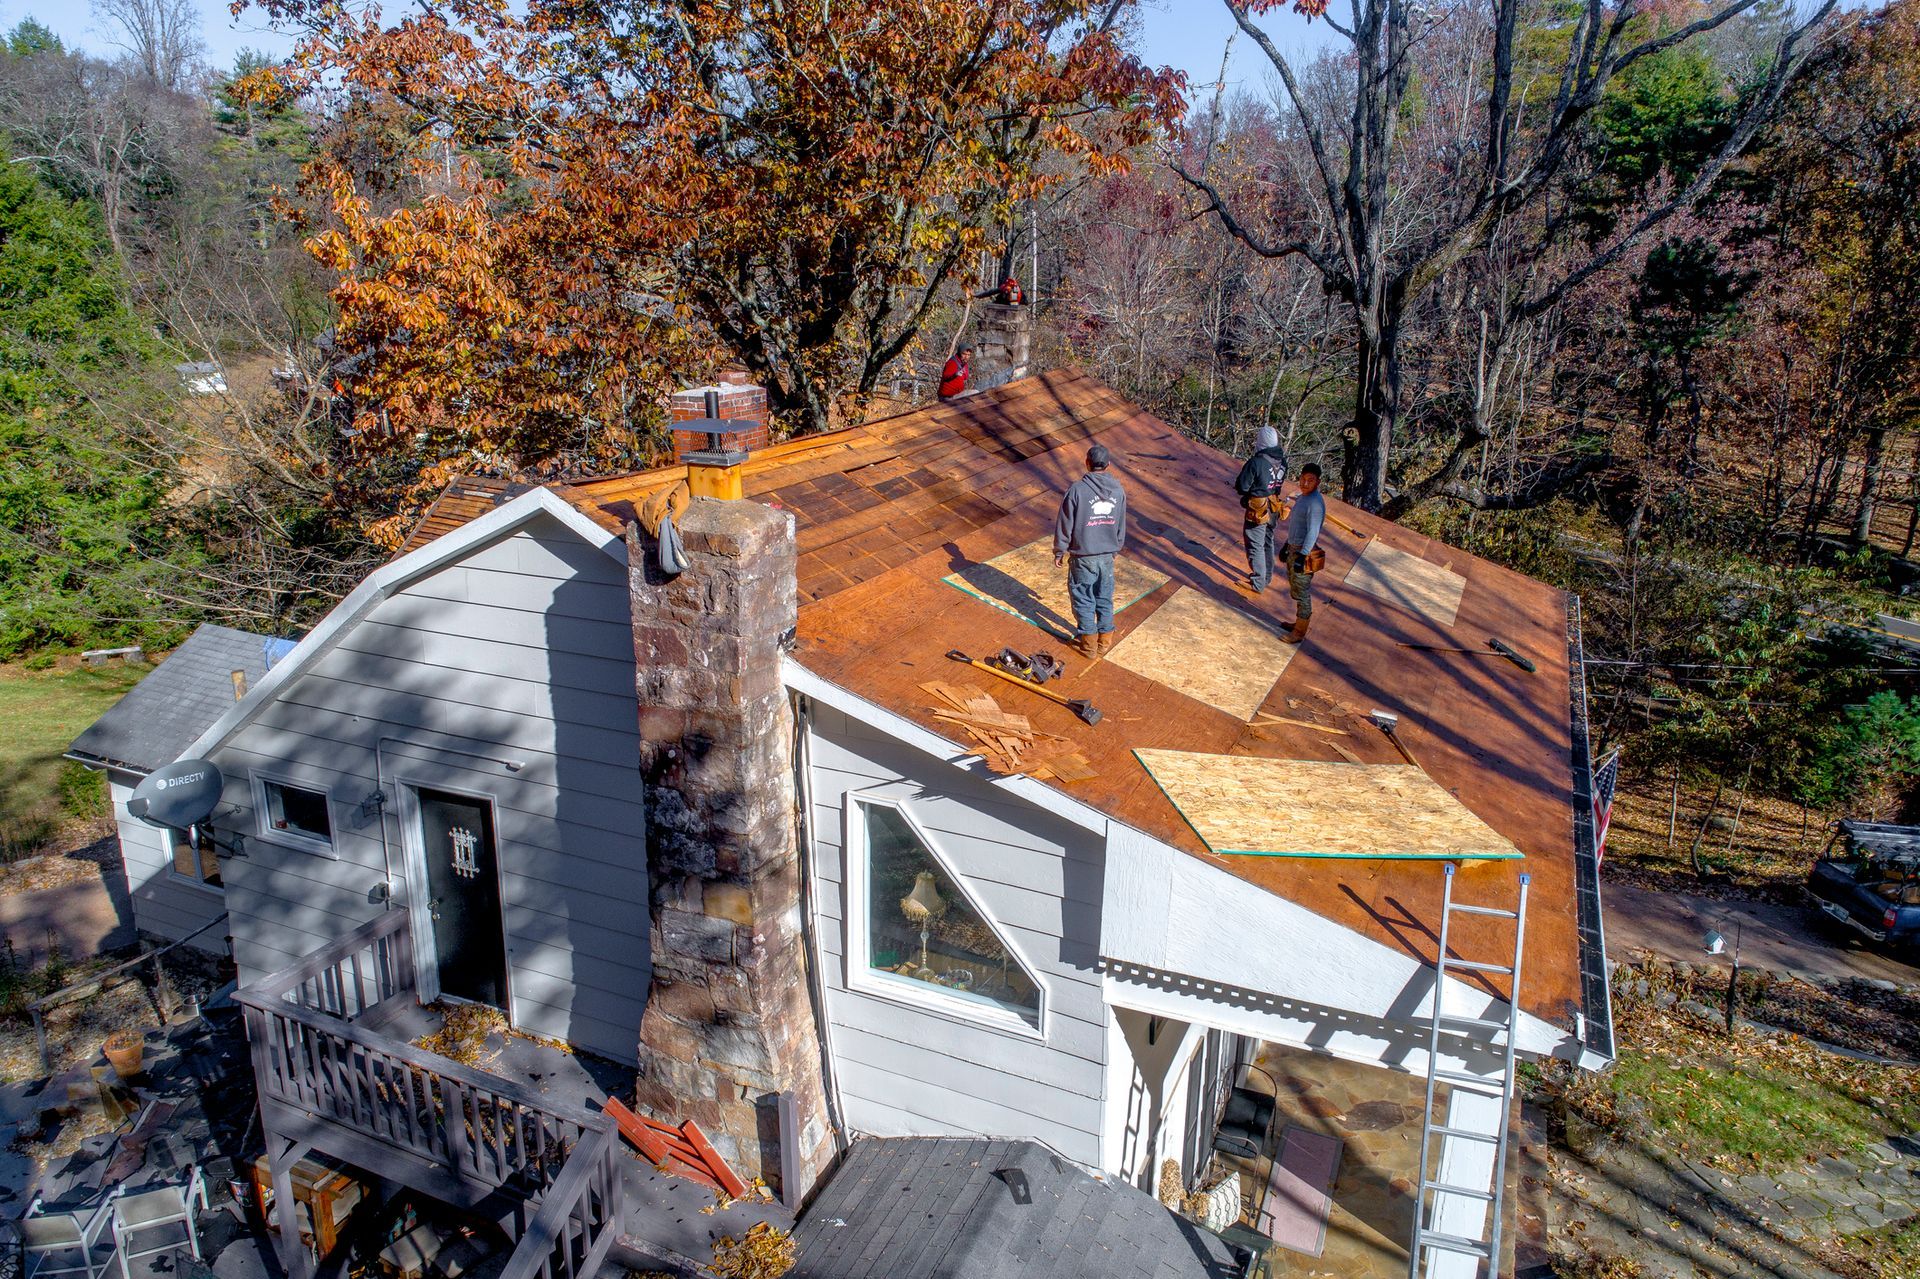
729	1024
713	456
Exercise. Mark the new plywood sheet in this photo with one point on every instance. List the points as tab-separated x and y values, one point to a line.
1307	808
1027	583
1206	650
1403	578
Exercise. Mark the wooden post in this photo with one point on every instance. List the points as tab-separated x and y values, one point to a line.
40	1037
1673	807
282	1155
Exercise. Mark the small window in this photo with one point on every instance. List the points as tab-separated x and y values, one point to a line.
296	811
194	857
925	935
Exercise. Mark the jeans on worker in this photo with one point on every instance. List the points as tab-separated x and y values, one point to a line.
1263	539
1300	585
1090	587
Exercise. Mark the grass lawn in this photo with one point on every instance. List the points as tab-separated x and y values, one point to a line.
41	712
1740	1102
1894	1252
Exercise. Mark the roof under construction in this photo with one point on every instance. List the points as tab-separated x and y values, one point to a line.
925	532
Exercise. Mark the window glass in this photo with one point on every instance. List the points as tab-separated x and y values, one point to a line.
923	931
298	811
194	857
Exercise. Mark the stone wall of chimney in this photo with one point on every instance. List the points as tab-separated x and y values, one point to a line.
729	1022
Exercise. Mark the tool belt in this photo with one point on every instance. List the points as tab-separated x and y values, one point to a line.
1038	667
1312	562
1262	509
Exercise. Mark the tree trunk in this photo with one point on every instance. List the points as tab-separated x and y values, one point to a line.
1693	853
1376	404
1869	486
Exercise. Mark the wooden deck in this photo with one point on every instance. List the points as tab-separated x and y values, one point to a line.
548	1171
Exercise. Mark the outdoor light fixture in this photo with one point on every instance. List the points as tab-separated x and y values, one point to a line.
1715	943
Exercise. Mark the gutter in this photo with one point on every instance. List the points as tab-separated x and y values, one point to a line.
1593	1021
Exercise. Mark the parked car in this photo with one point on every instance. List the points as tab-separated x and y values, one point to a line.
1869	880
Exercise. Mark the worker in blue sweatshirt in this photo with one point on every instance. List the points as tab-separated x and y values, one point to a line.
1303	538
1090	530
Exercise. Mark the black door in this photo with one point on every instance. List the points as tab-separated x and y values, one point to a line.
463	886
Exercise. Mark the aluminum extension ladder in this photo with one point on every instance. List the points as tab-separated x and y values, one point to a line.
1427	1239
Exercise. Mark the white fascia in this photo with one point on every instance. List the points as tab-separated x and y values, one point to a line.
396	575
1167	911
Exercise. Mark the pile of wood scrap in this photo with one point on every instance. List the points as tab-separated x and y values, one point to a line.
1007	741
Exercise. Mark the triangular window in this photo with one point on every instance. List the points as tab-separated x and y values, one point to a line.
925	934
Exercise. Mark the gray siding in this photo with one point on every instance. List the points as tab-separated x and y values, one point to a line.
521	654
170	905
907	1071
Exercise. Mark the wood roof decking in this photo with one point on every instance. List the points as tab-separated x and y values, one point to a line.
885	511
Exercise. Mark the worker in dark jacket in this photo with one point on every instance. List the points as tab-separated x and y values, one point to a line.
1091	530
1303	538
1259	484
953	378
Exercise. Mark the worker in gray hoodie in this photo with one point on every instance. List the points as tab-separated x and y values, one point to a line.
1091	530
1303	539
1259	484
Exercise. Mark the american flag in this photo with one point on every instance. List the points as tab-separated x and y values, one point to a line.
1605	778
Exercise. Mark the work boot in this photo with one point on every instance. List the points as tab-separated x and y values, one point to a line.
1298	633
1089	645
1105	642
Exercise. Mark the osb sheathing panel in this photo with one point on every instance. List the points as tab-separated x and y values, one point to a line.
1242	804
1402	578
1210	652
1027	583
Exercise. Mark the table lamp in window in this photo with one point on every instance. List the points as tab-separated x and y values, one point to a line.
922	906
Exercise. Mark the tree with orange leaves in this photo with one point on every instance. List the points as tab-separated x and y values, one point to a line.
786	184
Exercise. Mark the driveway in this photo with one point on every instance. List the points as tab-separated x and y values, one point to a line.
1781	938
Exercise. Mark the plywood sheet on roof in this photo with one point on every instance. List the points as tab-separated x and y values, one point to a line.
1206	650
1027	583
1305	808
1403	578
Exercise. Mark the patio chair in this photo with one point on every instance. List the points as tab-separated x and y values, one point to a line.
43	1240
158	1210
1246	1118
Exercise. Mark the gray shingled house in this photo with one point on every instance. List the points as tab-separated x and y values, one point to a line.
176	888
735	829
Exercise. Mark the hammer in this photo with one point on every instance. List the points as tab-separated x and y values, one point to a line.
1387	722
1494	648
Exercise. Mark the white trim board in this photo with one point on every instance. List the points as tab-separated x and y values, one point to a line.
396	575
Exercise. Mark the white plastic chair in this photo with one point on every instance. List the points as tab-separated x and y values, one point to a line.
157	1210
44	1238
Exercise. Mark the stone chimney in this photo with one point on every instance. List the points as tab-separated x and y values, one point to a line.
729	1027
1002	338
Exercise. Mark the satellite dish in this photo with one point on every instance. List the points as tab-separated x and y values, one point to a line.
182	794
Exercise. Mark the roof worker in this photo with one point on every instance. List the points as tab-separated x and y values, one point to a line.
1303	554
1091	530
1259	484
1010	293
953	378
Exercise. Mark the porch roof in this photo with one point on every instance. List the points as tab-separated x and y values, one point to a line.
914	1207
888	511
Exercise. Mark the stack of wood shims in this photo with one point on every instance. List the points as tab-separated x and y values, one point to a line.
1008	742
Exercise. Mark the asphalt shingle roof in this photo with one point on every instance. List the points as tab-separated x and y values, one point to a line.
920	1207
178	700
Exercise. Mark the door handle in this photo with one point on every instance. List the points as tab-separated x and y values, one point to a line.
433	909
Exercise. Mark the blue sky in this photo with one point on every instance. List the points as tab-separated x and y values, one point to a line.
1189	34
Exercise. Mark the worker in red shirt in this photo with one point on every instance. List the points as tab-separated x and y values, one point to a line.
953	378
1010	294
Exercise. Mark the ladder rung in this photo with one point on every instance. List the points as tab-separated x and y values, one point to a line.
1490	1086
1454	1243
1474	965
1483	1023
1495	911
1462	1132
1483	1196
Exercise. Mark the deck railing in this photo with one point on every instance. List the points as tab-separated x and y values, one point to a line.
490	1132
